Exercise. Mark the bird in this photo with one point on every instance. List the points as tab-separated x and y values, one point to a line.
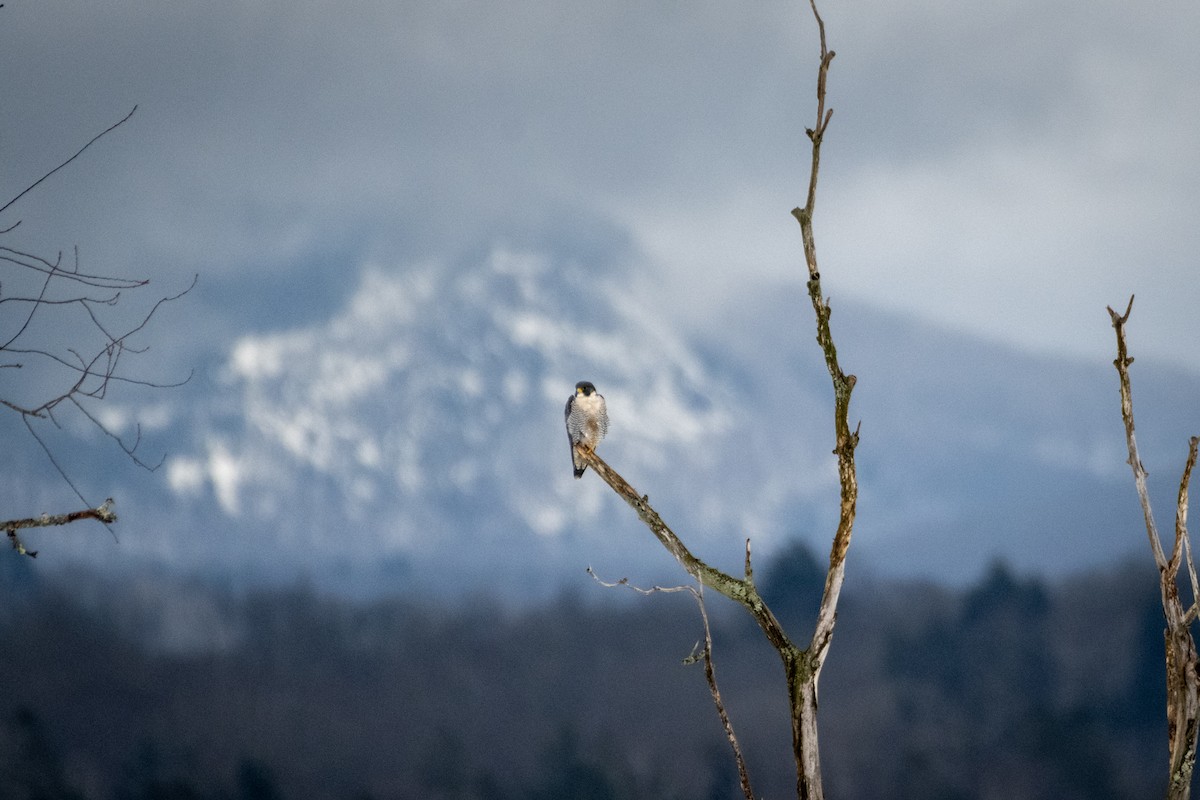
587	421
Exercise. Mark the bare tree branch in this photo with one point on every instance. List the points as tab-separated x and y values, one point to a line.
710	674
804	719
1181	533
1183	680
38	264
741	591
102	513
802	668
87	375
69	333
78	153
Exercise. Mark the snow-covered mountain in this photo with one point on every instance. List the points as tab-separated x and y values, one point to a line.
414	440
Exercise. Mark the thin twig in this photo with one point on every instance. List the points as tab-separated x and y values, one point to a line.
62	472
710	675
706	655
78	153
38	264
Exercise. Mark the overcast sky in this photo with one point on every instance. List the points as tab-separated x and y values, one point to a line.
1008	168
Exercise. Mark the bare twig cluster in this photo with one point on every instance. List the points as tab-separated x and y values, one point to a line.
89	373
1183	680
68	335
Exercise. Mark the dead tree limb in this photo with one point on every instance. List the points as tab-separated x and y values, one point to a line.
802	667
846	440
1183	680
102	513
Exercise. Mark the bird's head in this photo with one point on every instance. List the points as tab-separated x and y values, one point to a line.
584	389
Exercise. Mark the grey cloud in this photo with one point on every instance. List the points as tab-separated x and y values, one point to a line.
267	130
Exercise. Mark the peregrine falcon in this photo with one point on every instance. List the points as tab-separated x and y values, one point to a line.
587	421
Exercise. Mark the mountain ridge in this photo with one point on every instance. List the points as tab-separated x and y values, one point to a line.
412	441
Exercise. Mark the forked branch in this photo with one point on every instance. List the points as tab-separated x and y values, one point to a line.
710	671
737	589
1183	682
802	667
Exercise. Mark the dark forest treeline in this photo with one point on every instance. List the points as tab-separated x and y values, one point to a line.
144	689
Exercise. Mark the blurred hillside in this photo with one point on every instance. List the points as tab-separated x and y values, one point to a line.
1011	687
